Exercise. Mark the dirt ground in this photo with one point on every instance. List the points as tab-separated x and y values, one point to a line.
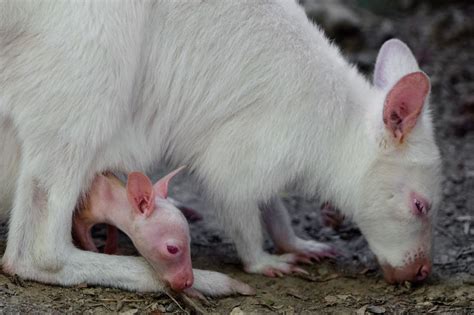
442	36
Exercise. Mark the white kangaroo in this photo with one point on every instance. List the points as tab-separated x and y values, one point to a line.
250	95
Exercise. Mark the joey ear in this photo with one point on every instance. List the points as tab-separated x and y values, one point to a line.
394	60
404	103
140	193
161	187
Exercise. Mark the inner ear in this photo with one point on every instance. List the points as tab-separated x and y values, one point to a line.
404	104
140	193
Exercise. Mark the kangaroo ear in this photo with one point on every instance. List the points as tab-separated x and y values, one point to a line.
394	60
140	193
161	187
404	103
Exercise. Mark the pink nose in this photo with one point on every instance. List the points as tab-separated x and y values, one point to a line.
417	271
423	272
181	285
181	282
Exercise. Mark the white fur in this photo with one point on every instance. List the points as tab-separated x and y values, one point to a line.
250	95
9	162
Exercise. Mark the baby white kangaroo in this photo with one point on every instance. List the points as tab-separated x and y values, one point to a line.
157	228
141	210
250	95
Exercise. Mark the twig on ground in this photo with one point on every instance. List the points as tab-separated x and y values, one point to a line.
176	302
192	305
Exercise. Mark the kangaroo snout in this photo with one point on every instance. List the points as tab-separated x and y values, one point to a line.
417	271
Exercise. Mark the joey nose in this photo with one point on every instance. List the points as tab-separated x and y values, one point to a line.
188	284
180	286
181	281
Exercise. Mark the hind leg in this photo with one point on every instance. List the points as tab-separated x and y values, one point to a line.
39	243
47	190
278	224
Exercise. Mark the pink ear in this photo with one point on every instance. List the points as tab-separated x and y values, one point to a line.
140	193
404	103
161	187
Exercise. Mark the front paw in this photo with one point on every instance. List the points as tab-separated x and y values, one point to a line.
275	266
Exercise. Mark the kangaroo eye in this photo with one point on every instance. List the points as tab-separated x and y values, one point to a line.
172	249
419	206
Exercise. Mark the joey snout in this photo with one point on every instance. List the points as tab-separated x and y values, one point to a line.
180	281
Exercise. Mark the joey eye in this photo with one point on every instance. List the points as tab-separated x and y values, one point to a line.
172	249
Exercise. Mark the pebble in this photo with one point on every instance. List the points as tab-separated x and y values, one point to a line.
331	299
376	309
170	308
236	311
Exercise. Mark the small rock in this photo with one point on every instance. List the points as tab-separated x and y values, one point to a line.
236	311
88	291
467	226
375	309
170	308
424	304
361	311
343	297
330	299
465	218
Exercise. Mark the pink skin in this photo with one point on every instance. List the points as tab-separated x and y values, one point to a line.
157	228
404	104
419	205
